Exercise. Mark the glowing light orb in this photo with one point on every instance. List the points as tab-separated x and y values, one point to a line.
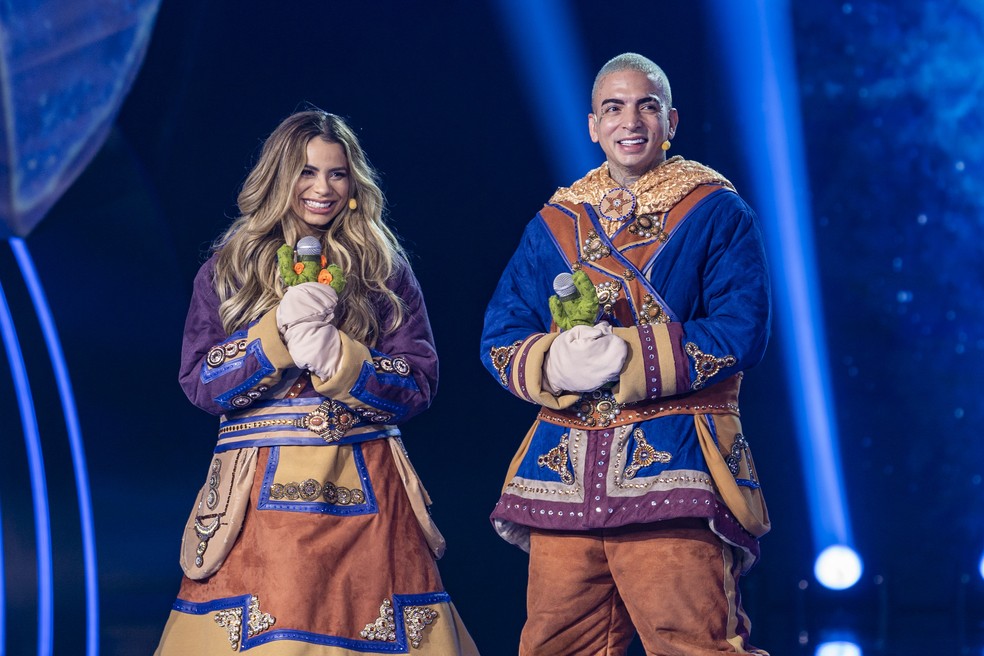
838	567
838	648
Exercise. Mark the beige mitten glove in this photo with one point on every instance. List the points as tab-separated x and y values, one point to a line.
583	359
304	319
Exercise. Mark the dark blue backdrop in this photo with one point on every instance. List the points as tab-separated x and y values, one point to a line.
890	95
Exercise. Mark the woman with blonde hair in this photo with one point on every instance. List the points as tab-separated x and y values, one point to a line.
308	335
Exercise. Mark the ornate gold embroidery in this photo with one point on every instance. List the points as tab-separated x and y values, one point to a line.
203	531
652	312
312	490
738	449
598	408
231	620
707	365
556	460
330	420
593	248
501	355
608	293
645	226
644	454
657	191
415	620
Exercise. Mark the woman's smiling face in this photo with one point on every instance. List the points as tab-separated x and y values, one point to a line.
322	190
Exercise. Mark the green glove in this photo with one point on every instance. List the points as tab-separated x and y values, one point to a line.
582	310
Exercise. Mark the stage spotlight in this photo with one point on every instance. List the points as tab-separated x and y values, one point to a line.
838	648
838	567
758	42
980	568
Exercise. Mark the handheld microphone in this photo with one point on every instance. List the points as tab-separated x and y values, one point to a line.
564	287
308	246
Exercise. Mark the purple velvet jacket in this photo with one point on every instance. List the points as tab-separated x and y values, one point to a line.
239	374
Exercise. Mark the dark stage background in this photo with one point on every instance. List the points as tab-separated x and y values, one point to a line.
891	95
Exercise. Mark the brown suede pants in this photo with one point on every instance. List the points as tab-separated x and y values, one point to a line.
674	582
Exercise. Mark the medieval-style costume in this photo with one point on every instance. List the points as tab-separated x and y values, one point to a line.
336	553
679	268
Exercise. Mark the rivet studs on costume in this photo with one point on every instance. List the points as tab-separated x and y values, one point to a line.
354	204
665	145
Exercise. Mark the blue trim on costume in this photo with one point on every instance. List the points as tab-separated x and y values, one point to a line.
314	440
266	368
393	379
370	507
400	646
359	391
714	432
744	482
210	373
617	255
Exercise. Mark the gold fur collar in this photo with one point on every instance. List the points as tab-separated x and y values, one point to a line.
657	191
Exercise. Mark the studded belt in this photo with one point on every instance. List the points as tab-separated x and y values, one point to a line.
329	421
599	409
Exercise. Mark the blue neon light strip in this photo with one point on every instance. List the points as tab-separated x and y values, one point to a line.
39	489
543	44
64	383
3	582
758	48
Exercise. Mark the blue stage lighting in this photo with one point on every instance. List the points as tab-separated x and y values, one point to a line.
553	68
838	648
838	567
980	566
39	488
64	383
759	55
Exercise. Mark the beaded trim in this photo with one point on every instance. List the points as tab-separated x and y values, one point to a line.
395	365
597	409
501	355
738	449
644	454
644	227
330	421
646	482
617	204
593	248
312	490
231	620
222	352
573	444
556	460
415	620
608	294
651	312
707	365
628	414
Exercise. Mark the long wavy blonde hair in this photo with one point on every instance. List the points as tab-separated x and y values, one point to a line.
246	276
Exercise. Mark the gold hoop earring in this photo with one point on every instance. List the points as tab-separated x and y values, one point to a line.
665	145
353	204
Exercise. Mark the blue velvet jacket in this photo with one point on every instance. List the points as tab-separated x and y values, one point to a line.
682	277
